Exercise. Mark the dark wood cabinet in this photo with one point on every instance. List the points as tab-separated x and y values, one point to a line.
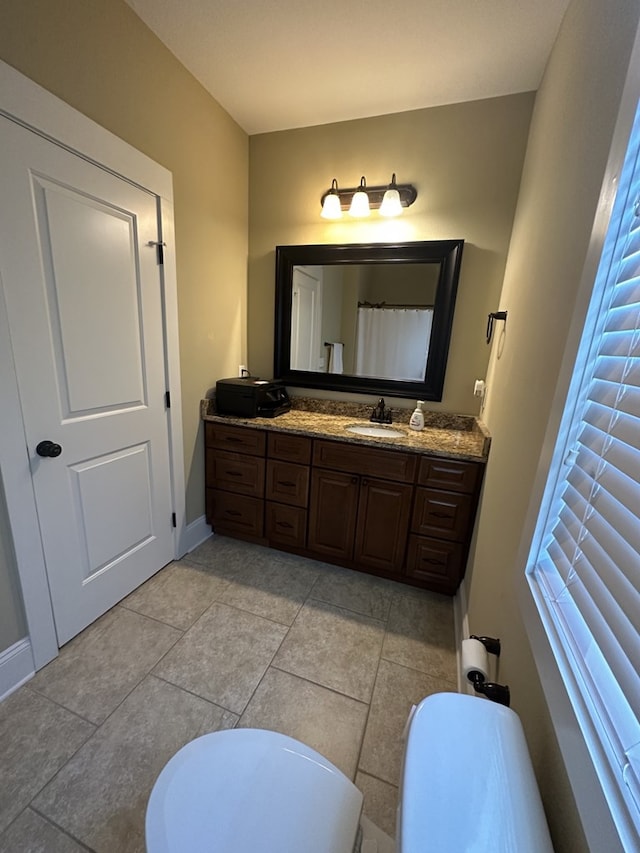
444	513
235	477
390	512
333	512
384	509
361	505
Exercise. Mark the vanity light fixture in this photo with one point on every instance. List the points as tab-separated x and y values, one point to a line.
389	199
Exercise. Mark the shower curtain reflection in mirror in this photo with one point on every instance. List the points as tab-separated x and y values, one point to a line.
393	343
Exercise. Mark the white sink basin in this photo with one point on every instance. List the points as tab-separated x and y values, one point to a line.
376	431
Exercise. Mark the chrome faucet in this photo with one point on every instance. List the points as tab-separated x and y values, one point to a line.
380	414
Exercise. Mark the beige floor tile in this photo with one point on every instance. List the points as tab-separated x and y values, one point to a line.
36	738
177	595
324	720
223	656
221	553
333	647
354	591
101	795
270	588
97	669
397	688
32	833
380	802
420	634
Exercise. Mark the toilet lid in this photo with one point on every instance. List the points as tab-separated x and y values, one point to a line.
248	790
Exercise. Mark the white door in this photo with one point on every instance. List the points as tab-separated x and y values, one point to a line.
306	318
84	301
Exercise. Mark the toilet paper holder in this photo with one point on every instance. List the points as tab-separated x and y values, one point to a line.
495	692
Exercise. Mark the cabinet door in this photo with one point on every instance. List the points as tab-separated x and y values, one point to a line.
332	513
383	523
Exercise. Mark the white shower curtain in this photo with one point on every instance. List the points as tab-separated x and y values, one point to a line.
393	343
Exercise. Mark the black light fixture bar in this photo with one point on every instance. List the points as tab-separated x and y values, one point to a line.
407	192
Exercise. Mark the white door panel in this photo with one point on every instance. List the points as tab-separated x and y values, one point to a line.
84	300
91	278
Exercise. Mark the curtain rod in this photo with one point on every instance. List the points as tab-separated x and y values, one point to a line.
392	305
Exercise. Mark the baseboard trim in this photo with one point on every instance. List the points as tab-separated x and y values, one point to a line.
16	667
461	630
194	534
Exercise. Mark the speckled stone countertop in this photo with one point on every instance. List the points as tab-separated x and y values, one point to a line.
460	436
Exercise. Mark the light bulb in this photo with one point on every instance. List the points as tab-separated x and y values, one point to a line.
391	204
331	208
360	201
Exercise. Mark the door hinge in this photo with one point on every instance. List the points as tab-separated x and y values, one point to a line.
174	520
159	249
167	399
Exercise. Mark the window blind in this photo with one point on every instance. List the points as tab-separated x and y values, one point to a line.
586	563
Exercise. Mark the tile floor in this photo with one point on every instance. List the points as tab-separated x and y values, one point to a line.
232	635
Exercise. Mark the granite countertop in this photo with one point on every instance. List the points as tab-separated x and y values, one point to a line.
459	436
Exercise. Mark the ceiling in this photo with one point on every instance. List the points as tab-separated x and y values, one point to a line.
297	63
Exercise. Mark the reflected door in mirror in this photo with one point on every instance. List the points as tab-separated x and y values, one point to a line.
306	318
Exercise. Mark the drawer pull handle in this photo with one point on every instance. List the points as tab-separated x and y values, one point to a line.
233	512
286	483
284	524
233	438
234	473
432	561
441	514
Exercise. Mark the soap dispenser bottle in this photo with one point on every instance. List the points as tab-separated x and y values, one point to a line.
417	418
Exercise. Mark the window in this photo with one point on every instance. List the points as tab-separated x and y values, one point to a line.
584	566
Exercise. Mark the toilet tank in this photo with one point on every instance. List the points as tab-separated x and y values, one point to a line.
467	782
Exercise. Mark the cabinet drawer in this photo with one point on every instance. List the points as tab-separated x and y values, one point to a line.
440	564
236	472
385	464
287	483
252	441
285	525
290	448
456	475
235	513
445	515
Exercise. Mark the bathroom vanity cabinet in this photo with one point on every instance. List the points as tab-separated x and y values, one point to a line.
397	514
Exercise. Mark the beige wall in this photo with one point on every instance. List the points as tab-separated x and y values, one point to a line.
465	161
570	137
99	57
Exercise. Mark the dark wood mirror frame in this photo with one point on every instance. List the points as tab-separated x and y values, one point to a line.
446	253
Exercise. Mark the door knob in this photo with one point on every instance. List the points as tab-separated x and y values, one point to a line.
48	448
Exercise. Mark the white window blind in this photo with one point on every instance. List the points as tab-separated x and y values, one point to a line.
586	557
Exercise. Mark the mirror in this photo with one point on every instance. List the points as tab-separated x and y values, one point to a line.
366	318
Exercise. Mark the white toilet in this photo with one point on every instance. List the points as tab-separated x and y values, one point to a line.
467	785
